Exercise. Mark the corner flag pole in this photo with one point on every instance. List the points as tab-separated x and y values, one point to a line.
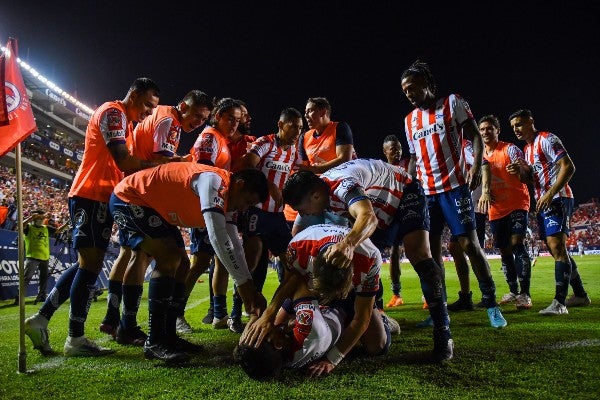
16	124
22	349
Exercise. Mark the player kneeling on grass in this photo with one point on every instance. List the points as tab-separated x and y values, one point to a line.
148	207
305	327
366	322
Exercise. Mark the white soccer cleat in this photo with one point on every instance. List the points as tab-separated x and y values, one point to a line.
36	327
508	298
84	347
523	302
555	308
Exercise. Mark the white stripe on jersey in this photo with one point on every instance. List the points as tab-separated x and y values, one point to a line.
543	155
435	137
382	182
276	163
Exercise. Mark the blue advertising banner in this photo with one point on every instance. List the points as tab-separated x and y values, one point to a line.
62	256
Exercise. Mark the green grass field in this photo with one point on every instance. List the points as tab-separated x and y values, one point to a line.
534	357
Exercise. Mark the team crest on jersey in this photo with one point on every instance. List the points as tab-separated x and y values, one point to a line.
106	232
304	317
113	119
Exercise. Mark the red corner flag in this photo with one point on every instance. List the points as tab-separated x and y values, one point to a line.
16	117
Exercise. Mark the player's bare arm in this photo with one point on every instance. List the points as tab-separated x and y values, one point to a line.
565	172
341	253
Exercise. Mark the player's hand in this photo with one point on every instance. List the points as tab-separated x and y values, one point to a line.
258	305
544	202
186	158
320	368
255	332
484	203
474	178
339	254
513	168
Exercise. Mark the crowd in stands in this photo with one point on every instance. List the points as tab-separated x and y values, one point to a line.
39	194
585	225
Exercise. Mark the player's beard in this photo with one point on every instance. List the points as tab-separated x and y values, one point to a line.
243	129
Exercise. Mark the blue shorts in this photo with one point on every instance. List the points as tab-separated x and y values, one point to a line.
455	208
480	221
503	228
556	218
411	215
271	227
91	221
199	242
137	222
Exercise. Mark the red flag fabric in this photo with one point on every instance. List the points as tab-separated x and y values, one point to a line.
16	116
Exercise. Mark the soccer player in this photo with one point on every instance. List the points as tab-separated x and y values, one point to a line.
305	328
506	199
307	255
392	150
386	205
264	225
552	168
240	141
150	205
155	138
105	160
325	145
434	131
212	148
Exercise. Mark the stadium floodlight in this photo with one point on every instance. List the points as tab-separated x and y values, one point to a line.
51	84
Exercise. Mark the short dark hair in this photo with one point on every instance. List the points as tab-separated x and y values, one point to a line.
330	282
321	103
223	105
420	68
492	119
523	113
300	185
143	85
254	181
197	98
288	114
391	138
262	363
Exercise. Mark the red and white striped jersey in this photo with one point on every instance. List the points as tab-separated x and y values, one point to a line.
435	138
379	181
543	155
276	163
306	245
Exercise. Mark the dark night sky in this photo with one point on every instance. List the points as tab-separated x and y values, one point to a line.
499	56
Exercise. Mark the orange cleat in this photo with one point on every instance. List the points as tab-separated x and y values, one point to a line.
395	301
